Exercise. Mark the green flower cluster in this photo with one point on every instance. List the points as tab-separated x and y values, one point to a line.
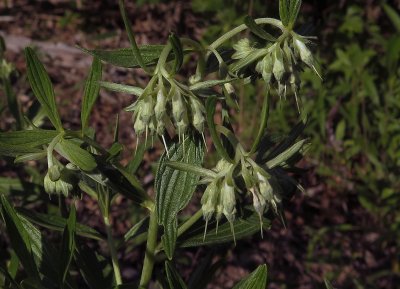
219	197
59	180
166	101
280	61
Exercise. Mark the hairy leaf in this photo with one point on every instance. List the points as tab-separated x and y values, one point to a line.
174	279
19	238
68	245
243	226
257	30
124	58
91	93
57	223
256	280
174	188
76	155
42	87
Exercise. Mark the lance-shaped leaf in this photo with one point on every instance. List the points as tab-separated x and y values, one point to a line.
178	51
257	30
121	88
244	226
96	271
19	238
287	154
209	83
44	253
28	138
198	170
76	155
294	9
91	93
174	279
57	223
174	188
210	109
10	282
284	11
256	280
124	58
42	87
68	246
15	150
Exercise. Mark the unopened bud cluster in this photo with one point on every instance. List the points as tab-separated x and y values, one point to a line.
219	197
59	180
161	104
280	61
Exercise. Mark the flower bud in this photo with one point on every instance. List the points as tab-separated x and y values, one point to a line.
139	126
258	202
304	52
178	105
209	200
265	67
197	115
49	185
278	68
228	201
54	173
160	107
147	109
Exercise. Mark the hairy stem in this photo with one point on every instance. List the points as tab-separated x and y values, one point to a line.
113	252
148	263
242	27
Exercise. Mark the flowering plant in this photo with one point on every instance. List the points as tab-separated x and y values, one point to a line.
239	192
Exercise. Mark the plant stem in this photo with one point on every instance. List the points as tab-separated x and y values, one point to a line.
148	263
242	27
193	219
113	252
263	124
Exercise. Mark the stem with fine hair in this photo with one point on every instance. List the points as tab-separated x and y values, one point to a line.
148	263
113	252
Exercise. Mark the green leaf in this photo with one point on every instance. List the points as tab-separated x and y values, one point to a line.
209	83
393	16
328	284
244	226
19	238
174	279
28	138
96	271
198	170
178	51
135	162
9	279
76	155
68	245
256	280
44	253
138	228
294	10
210	109
174	188
284	11
287	154
128	26
257	30
57	223
42	87
91	93
121	88
124	58
15	150
30	157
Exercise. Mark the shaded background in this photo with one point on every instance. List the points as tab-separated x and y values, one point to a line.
346	227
